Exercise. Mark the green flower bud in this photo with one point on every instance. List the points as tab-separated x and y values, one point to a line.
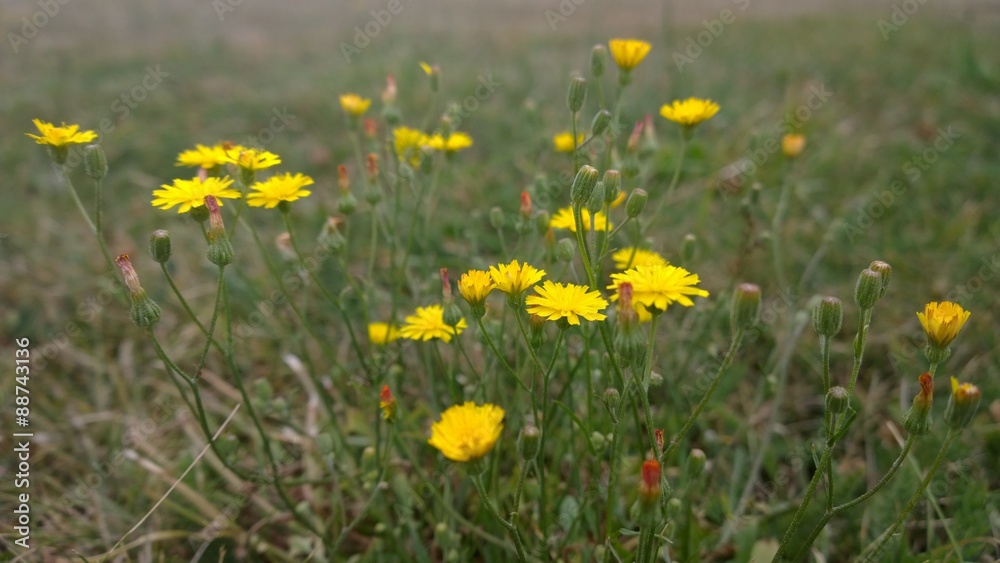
630	168
220	252
828	316
868	289
611	397
159	246
144	311
598	57
917	420
583	185
529	442
452	314
263	390
198	214
596	201
373	194
347	203
577	93
324	444
936	354
636	202
746	306
496	218
600	122
542	221
95	163
885	270
675	508
612	185
837	400
696	464
689	247
565	250
536	324
390	113
962	404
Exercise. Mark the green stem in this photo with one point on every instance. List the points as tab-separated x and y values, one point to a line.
610	526
800	512
211	325
496	352
644	385
64	172
674	180
511	528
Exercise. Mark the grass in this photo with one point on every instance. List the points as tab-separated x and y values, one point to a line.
99	391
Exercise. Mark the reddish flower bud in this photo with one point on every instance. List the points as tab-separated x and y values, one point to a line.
343	179
525	205
445	285
649	486
658	435
389	94
128	272
633	139
371	166
370	128
387	402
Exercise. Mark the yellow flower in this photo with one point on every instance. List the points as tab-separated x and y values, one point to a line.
387	403
60	137
428	69
658	286
563	219
618	200
557	301
381	334
942	322
514	278
792	144
627	258
467	432
428	323
475	285
689	112
191	193
276	189
455	142
628	53
563	142
203	157
353	104
962	406
409	144
251	159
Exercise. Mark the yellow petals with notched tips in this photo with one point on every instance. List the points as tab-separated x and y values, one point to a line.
514	278
468	431
203	157
689	112
563	219
276	189
656	287
628	53
428	322
555	301
191	193
627	258
62	136
353	104
942	322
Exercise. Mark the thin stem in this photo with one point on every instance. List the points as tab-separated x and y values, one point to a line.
674	180
496	352
64	172
511	528
211	325
800	512
644	385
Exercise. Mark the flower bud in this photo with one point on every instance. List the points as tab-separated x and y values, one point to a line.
369	127
962	404
675	509
696	464
220	250
611	397
746	306
792	144
917	420
633	139
159	246
600	122
837	400
636	202
583	185
95	162
198	214
529	442
542	221
387	402
330	236
525	209
885	270
598	57
689	247
536	325
565	250
868	289
347	203
658	437
496	218
596	201
630	167
577	93
630	342
612	185
649	488
144	312
828	316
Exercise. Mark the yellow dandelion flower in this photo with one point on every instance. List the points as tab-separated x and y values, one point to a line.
942	322
566	301
353	104
467	432
453	143
657	287
689	112
514	278
203	157
475	286
428	322
191	193
563	142
793	144
563	219
60	137
276	189
628	258
409	144
251	159
380	334
628	53
428	69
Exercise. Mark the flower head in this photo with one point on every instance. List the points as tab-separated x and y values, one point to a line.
628	53
474	286
354	105
452	143
563	219
62	136
409	144
203	157
563	142
428	322
942	322
467	432
962	404
792	144
514	278
251	159
689	112
387	403
276	189
191	193
380	334
631	257
658	286
557	301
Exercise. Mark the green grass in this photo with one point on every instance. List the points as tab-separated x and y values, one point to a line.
226	79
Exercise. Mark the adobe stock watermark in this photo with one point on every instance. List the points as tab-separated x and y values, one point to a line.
566	9
697	43
33	24
365	34
898	17
881	202
459	112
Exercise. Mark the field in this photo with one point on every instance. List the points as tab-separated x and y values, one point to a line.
897	103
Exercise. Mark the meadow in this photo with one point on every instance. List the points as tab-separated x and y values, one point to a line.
698	444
